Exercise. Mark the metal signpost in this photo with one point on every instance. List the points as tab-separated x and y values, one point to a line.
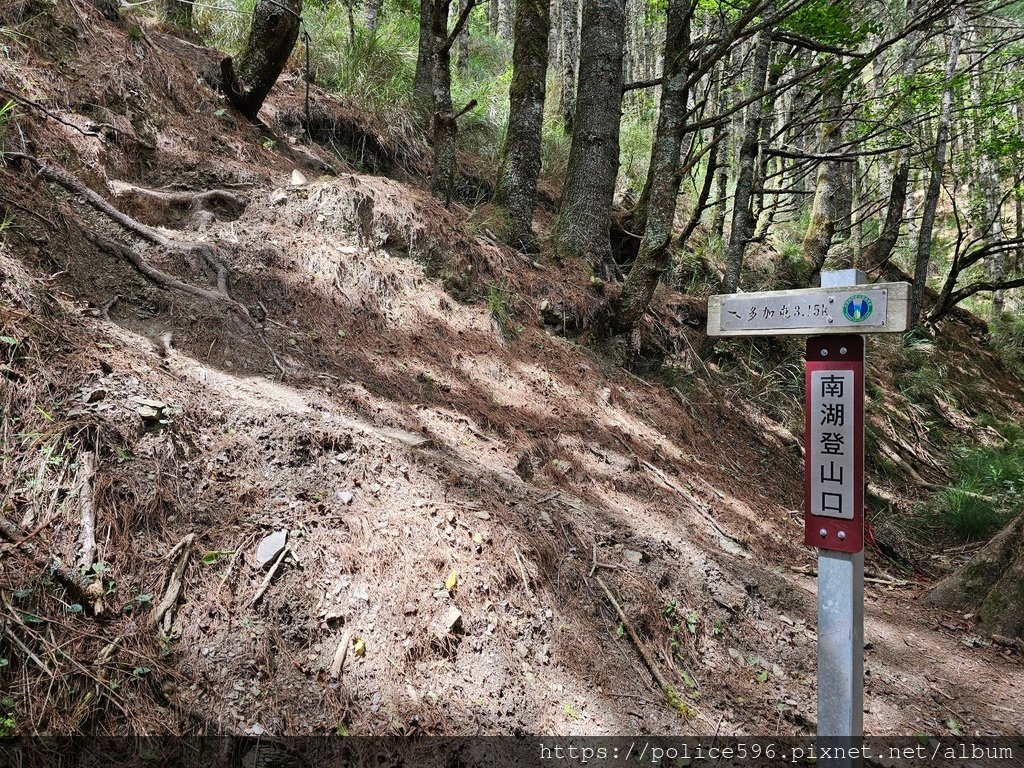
832	316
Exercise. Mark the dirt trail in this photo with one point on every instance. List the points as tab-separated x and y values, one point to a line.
451	484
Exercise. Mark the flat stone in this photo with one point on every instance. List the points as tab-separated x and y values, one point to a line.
298	178
633	556
270	547
450	623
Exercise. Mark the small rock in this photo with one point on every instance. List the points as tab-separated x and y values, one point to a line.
270	547
278	197
298	178
345	497
561	466
409	609
361	592
633	556
95	395
483	515
450	623
545	519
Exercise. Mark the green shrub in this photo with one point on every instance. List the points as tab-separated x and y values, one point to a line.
988	490
965	513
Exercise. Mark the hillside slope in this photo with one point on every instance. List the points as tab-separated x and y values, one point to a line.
457	481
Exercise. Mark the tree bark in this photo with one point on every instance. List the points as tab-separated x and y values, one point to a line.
272	35
422	84
520	164
663	176
462	57
990	584
371	13
443	122
825	211
987	180
742	215
178	13
570	60
938	164
506	12
583	227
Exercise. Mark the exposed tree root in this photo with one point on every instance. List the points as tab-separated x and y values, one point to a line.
174	209
203	200
220	296
165	280
75	186
69	578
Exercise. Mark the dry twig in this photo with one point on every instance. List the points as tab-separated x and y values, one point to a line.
164	614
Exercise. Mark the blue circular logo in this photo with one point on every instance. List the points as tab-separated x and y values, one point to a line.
857	308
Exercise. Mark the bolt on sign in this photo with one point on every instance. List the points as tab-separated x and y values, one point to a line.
834	443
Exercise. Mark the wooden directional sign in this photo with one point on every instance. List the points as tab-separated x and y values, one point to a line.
871	308
834	435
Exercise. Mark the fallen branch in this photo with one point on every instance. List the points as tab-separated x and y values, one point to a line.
683	707
666	482
340	653
164	615
24	648
269	577
1009	642
87	538
49	114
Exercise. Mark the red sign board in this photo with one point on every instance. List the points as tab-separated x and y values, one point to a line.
834	443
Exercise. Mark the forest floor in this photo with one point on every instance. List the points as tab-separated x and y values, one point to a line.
457	480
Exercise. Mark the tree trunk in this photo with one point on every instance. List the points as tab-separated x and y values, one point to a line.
663	177
492	16
583	227
991	584
570	55
521	154
462	57
938	164
987	180
825	211
178	13
422	84
443	121
272	35
877	252
742	215
506	11
371	13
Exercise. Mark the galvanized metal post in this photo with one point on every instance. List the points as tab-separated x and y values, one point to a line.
841	621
